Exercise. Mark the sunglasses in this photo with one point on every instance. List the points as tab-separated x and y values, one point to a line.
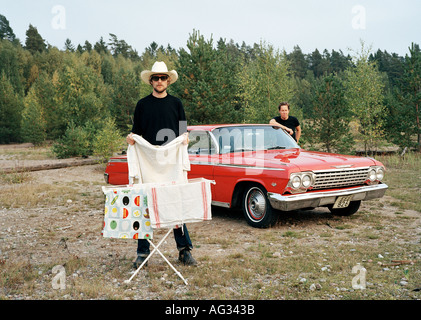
156	78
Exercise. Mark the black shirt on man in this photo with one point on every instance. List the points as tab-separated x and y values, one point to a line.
157	120
291	122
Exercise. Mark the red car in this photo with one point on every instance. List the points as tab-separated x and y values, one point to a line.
261	169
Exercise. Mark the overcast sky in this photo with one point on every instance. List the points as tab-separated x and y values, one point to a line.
323	24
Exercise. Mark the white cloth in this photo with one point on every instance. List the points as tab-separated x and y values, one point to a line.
156	164
174	204
172	199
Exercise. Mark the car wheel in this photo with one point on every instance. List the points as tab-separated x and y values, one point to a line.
348	211
256	207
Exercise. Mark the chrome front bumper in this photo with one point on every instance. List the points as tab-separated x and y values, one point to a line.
322	198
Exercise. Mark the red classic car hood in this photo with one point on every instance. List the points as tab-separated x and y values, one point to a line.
295	159
308	160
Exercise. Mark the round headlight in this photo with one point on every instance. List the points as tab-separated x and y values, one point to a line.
306	181
380	174
372	175
296	182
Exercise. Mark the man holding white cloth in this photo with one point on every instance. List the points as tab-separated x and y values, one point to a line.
159	118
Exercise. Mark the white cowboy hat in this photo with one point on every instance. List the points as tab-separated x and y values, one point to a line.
158	67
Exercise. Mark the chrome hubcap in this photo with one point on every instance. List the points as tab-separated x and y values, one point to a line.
256	204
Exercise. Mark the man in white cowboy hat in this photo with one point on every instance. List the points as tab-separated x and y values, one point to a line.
154	113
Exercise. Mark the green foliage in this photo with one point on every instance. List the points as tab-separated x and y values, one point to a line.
303	94
10	111
206	82
11	58
68	45
55	94
76	142
43	93
33	120
6	32
409	99
107	140
50	61
391	64
101	140
329	125
364	95
265	82
318	64
298	62
121	47
34	42
125	96
78	94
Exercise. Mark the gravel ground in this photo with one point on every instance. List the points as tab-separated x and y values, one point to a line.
55	219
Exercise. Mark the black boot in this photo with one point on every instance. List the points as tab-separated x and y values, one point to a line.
139	261
186	258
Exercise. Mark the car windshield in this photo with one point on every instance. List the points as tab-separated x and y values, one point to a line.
252	138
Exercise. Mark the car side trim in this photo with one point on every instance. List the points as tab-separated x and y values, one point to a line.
118	160
204	163
221	204
249	167
322	198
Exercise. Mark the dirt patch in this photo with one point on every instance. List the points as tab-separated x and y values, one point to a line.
55	218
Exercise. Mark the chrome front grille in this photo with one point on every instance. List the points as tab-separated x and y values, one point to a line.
340	178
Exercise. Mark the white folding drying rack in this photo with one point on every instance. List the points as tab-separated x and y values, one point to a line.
156	249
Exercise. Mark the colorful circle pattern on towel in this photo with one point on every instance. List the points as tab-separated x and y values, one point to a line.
126	214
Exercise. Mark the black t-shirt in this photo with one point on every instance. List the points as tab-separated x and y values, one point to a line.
291	122
159	120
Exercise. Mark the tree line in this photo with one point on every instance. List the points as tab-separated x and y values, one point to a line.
83	97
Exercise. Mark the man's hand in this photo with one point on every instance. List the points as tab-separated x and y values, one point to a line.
290	131
130	139
273	122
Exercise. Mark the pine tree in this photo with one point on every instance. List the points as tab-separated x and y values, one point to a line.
410	95
11	64
364	96
330	117
125	96
318	63
339	62
298	62
265	82
121	47
34	42
33	121
6	32
205	82
68	45
10	112
87	46
101	46
391	64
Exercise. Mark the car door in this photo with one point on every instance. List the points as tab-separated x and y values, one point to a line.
203	155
